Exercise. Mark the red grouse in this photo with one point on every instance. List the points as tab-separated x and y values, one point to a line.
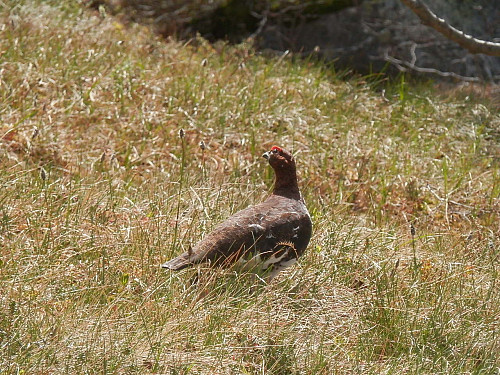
274	233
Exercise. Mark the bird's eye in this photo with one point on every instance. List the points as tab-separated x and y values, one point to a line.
274	151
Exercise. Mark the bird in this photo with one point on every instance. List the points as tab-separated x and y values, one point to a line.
272	234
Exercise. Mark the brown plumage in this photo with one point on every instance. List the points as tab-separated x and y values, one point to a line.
275	232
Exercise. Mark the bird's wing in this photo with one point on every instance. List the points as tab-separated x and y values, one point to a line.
258	228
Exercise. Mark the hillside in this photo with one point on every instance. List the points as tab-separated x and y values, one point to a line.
98	188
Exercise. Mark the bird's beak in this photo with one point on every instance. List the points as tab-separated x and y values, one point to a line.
266	155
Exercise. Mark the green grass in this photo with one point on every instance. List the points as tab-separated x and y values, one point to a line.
97	189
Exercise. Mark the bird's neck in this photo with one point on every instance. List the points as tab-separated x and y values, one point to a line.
286	184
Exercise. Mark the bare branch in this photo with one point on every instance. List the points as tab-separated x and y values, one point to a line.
473	45
405	65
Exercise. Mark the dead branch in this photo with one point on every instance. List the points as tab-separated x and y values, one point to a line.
473	45
405	65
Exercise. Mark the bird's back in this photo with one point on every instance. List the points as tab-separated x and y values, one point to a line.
256	229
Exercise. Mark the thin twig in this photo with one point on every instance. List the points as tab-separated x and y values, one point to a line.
405	65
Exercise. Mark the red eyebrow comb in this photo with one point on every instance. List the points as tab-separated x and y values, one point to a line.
279	149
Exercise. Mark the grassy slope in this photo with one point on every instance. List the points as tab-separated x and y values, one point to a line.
97	189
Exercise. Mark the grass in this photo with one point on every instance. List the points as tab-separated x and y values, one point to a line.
98	189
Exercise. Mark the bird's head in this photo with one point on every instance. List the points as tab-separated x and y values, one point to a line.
280	159
283	164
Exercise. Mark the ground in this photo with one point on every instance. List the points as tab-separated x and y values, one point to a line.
99	188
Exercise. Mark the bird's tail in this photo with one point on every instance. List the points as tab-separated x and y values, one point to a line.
182	261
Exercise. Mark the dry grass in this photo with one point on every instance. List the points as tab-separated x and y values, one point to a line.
97	189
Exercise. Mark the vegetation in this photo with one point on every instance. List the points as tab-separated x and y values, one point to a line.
98	188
